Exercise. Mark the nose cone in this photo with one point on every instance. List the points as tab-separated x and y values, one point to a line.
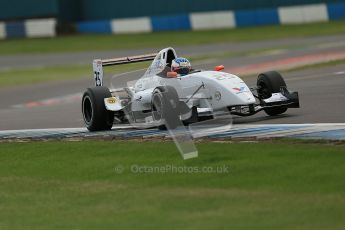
226	89
235	91
245	98
237	94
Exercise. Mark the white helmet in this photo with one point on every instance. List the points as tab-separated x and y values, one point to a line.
181	66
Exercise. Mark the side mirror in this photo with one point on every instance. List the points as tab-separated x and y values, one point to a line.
171	74
219	68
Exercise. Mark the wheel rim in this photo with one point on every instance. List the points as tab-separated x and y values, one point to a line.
263	91
157	107
87	110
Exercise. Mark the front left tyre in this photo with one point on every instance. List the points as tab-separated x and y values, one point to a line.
96	116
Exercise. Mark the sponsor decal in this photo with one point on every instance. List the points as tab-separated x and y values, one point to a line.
98	78
223	76
111	100
239	90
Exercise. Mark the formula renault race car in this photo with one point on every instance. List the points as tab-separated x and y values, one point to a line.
162	98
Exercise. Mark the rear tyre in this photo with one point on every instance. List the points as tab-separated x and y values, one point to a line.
269	83
165	105
96	116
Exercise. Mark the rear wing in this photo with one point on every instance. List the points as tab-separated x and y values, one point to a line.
98	64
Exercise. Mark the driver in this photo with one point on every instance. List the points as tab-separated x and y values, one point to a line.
181	66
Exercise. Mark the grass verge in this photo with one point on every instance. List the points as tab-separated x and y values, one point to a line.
58	185
79	43
27	76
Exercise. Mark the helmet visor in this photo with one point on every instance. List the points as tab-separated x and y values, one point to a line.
182	70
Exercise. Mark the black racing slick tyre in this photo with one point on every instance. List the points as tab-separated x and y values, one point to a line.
165	106
269	83
96	116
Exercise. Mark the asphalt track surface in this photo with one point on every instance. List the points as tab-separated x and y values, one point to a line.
57	104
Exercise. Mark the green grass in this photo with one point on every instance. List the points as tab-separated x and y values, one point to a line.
164	39
37	75
27	76
75	185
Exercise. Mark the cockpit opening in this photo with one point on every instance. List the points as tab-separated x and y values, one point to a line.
170	57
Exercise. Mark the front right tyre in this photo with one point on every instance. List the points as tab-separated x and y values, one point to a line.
269	83
96	116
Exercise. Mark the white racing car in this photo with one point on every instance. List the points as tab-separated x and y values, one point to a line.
165	99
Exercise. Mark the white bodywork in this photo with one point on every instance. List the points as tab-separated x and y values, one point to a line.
207	91
217	89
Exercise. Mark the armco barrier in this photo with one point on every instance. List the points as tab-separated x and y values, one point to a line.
212	20
131	25
192	21
336	11
303	14
94	27
31	28
2	30
219	19
170	23
256	17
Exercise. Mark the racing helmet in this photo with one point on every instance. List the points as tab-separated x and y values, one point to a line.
181	66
